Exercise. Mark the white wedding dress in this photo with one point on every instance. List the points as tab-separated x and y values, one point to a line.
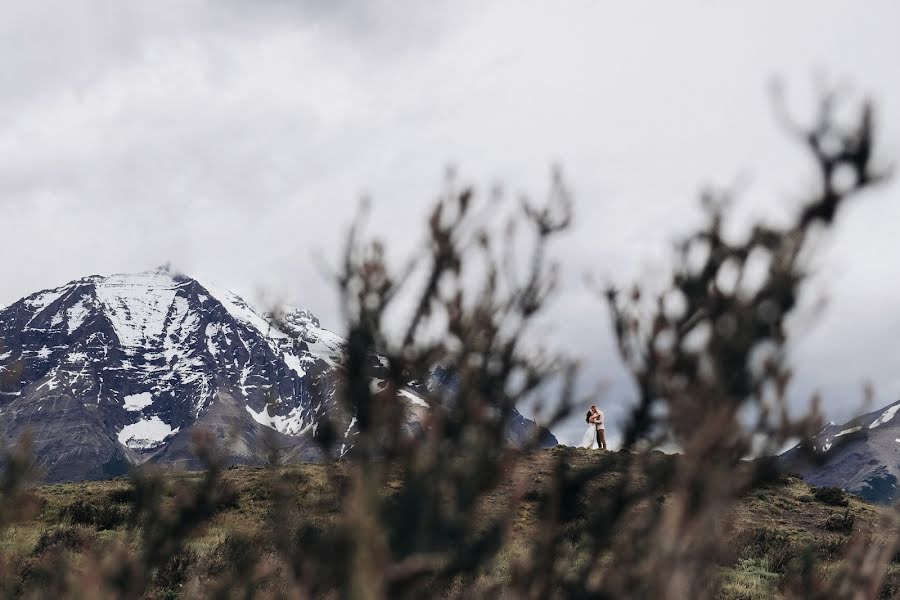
590	438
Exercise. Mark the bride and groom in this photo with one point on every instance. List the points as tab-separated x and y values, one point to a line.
595	436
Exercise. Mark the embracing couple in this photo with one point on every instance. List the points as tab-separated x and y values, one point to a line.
595	436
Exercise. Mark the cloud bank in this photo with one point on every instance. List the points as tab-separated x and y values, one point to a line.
234	139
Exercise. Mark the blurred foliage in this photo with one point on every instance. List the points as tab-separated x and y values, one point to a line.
280	528
455	510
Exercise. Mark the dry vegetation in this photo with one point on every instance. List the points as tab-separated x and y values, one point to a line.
459	512
773	532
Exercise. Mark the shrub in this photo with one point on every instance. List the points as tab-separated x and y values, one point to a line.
774	546
99	515
171	577
842	523
235	554
829	548
124	495
890	588
831	496
68	538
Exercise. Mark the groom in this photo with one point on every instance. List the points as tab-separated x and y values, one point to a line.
598	420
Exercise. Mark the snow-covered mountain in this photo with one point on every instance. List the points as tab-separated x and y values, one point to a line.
861	456
108	372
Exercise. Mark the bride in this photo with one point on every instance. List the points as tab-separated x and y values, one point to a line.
590	438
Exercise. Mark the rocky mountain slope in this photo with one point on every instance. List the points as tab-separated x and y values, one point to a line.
861	456
109	372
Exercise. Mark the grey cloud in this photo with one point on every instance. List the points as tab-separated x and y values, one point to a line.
235	138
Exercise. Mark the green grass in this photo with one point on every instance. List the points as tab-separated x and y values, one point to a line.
750	579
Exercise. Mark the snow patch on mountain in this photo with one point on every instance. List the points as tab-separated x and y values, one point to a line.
40	301
847	431
290	424
51	384
414	398
146	434
76	315
182	325
138	402
344	447
137	305
76	357
293	362
376	386
212	329
885	416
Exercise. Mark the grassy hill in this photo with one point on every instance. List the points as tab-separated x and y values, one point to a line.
90	526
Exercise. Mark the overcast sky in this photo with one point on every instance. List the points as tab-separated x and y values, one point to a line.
234	138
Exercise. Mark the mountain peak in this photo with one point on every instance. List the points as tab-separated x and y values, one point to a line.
115	370
94	345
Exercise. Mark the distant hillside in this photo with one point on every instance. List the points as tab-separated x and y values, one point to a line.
861	456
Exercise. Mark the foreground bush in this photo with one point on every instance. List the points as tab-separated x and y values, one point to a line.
443	514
